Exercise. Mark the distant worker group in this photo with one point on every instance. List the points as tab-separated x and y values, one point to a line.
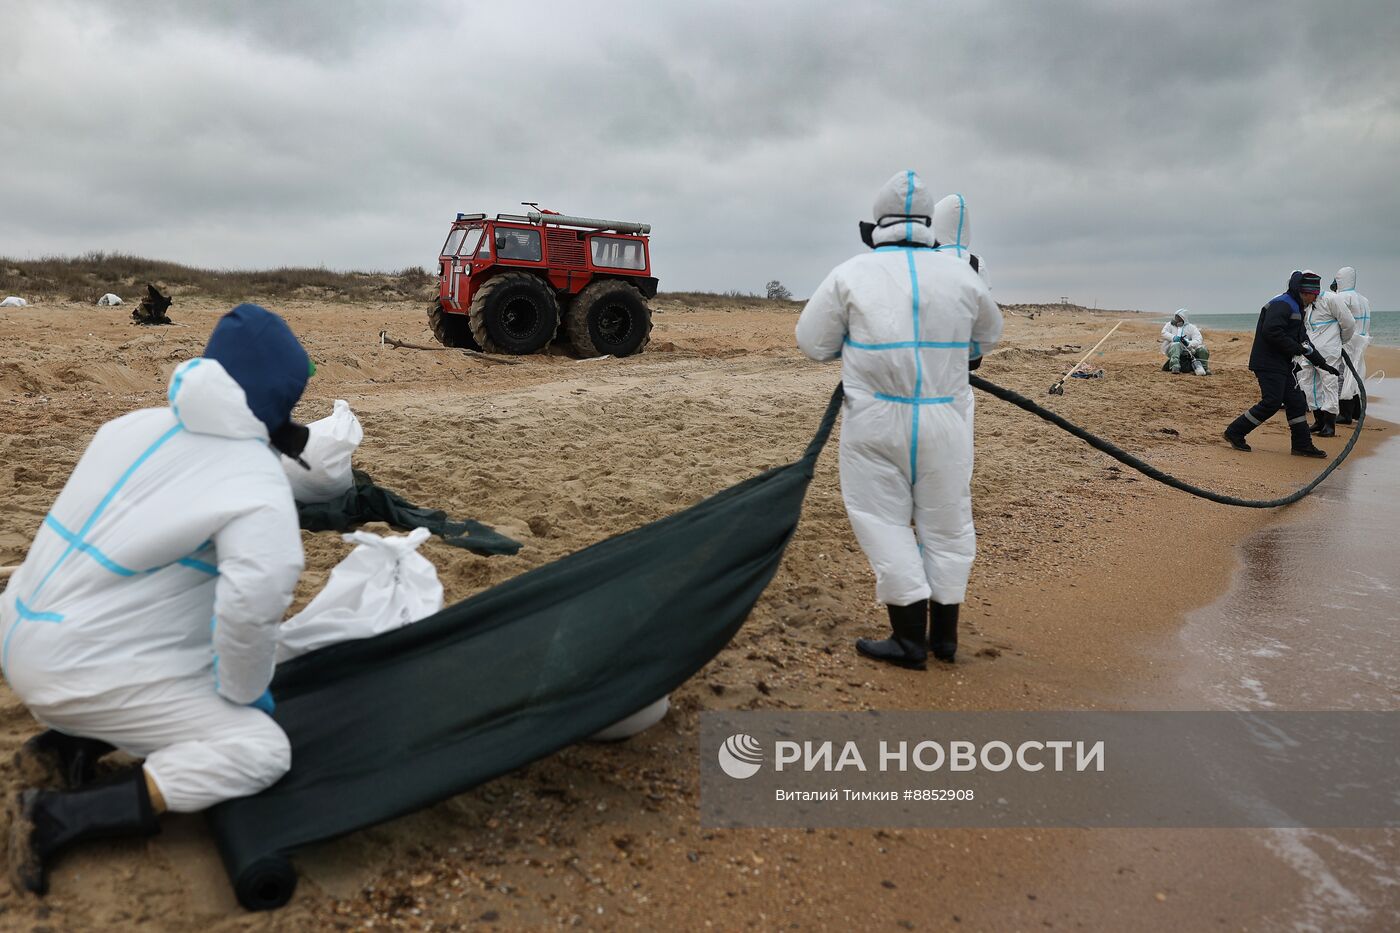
1297	359
912	318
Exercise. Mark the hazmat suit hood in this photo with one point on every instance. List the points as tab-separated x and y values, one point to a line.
207	400
903	211
1181	313
952	224
1346	279
259	351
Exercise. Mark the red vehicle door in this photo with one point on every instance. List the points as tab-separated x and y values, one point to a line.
456	258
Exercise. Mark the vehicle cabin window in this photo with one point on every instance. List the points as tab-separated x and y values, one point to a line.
470	242
512	243
614	253
454	240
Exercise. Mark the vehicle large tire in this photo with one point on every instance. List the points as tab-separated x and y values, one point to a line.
451	330
608	317
514	313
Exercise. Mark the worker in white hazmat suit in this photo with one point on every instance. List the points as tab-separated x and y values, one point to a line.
952	229
144	615
1182	344
1349	407
908	322
1328	325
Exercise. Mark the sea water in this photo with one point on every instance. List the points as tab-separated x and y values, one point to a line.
1385	325
1312	622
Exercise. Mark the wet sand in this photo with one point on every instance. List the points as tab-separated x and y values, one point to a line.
1075	597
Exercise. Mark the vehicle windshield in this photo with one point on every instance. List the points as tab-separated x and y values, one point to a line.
454	240
470	241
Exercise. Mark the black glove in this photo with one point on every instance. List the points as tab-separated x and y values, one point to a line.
1320	361
973	363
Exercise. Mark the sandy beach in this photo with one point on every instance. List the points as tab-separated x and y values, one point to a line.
1070	607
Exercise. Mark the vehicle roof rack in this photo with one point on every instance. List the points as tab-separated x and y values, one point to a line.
621	226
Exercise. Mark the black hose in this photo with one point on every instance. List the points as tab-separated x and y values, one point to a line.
1147	469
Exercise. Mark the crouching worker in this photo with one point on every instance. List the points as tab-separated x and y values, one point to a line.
1183	344
908	322
144	616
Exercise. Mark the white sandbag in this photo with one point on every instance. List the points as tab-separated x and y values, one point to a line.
382	585
328	452
109	300
13	302
644	718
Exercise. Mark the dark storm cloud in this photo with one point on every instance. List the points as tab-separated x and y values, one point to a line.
1136	154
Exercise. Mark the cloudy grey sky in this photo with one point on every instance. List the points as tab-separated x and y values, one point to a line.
1147	155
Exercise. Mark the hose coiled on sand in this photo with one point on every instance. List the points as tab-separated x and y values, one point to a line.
1147	469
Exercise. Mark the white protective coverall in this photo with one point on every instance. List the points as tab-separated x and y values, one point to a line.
145	613
905	320
952	227
1360	310
1328	324
1185	332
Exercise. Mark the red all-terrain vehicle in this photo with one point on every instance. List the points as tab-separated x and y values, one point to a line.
506	284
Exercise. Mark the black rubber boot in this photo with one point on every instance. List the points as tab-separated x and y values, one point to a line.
1318	422
1345	411
1329	424
906	646
58	760
943	631
1237	430
1302	441
43	823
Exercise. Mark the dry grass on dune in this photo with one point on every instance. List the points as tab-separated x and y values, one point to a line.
87	277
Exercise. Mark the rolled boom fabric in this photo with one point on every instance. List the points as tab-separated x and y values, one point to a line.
384	726
367	501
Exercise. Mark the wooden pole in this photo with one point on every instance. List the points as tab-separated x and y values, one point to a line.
1054	389
386	340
